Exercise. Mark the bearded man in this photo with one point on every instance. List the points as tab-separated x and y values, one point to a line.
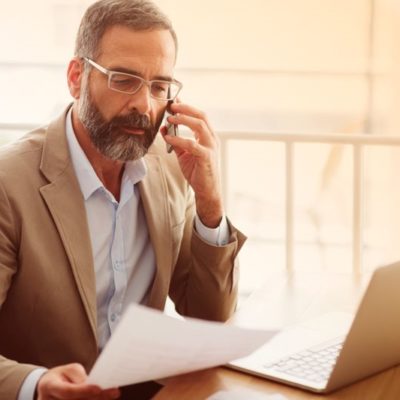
96	214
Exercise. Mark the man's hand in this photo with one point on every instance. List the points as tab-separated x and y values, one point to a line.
68	382
198	161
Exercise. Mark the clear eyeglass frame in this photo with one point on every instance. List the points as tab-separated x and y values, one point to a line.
131	84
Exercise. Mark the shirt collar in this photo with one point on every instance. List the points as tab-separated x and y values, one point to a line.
89	182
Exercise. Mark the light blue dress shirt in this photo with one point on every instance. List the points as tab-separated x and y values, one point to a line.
122	252
124	259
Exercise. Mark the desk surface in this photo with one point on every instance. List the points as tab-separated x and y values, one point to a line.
282	301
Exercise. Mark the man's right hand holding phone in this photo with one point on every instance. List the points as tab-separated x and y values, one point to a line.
199	160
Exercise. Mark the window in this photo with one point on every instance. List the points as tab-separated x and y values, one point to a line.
297	66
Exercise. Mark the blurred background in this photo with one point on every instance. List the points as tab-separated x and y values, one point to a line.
266	66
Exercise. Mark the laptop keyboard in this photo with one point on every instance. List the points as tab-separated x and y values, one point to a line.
314	364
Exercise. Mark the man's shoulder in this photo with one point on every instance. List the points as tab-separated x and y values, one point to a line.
29	147
31	142
23	155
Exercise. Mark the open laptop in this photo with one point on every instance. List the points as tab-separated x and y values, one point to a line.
333	351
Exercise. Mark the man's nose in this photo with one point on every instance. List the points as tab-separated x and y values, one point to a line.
141	100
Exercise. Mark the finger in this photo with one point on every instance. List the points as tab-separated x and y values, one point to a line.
108	394
182	108
178	107
66	390
163	130
113	393
198	126
182	145
98	394
74	373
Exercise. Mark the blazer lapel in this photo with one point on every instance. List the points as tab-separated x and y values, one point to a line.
154	195
65	202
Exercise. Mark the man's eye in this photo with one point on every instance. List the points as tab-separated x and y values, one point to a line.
160	87
122	80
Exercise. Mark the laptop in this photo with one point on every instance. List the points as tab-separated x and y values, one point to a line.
336	349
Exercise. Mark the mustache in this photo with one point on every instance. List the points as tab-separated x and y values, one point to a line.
134	120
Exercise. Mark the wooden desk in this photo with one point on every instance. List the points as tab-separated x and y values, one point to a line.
280	302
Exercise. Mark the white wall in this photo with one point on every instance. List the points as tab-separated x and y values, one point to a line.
259	64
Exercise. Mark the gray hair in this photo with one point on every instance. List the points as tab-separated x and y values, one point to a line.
139	15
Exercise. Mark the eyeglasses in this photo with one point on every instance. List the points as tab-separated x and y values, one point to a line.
131	84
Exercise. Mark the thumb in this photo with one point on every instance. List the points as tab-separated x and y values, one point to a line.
74	373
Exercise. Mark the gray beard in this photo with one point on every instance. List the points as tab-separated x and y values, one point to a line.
108	137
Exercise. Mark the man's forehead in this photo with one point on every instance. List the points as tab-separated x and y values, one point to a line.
124	41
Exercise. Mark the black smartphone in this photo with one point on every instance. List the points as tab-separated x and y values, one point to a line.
171	128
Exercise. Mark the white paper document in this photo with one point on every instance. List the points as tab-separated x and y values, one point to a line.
149	345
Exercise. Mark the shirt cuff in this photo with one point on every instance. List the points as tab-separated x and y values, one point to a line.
28	387
218	236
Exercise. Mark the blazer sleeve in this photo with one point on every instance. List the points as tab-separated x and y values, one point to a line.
205	278
12	374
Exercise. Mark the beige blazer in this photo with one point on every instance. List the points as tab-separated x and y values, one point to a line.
47	282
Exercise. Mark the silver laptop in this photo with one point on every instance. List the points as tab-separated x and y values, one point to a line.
335	350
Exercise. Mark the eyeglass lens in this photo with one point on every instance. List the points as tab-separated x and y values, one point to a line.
131	84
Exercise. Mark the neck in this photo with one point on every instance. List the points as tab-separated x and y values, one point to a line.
109	171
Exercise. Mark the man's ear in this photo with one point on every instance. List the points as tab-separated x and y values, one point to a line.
75	76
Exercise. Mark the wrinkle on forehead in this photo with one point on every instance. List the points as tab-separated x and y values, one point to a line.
153	49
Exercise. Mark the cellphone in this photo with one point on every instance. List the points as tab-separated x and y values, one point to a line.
171	128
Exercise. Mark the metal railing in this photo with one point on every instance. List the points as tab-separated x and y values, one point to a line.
4	126
358	143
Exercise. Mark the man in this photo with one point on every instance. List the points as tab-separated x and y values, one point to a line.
96	214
